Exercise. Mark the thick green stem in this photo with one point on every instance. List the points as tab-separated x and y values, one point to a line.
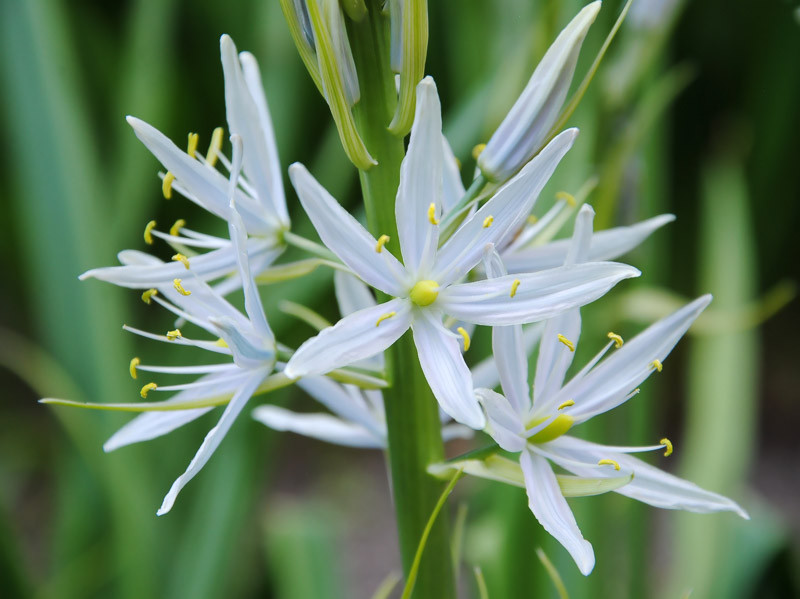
411	411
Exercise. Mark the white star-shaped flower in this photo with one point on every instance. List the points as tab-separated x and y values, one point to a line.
428	284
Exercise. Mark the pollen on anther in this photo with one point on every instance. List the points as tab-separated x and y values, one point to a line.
616	339
487	222
532	219
514	284
477	150
607	462
173	335
147	389
191	146
382	241
383	317
461	331
147	296
214	147
657	365
570	345
567	197
175	229
132	367
566	404
166	185
666	442
432	214
179	287
148	232
182	259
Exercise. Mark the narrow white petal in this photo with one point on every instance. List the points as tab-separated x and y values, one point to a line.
504	424
151	425
551	510
421	183
485	373
351	294
213	439
319	426
452	185
555	357
355	337
537	296
345	236
456	431
649	485
581	237
345	402
444	367
508	209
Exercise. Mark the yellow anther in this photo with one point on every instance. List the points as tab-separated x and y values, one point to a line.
383	317
221	342
148	232
432	214
607	462
668	443
657	365
191	147
566	404
166	185
487	222
532	220
567	197
173	335
570	345
175	229
560	425
147	296
424	293
476	151
214	147
179	288
132	368
147	389
514	284
616	339
461	331
182	259
382	241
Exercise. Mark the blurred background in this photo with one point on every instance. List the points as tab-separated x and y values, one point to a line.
694	112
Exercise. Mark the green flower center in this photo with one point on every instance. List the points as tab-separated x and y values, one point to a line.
424	293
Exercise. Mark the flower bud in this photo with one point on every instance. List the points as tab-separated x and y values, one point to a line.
409	48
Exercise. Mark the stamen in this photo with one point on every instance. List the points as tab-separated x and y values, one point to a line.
566	404
166	185
181	258
570	345
147	296
567	197
487	222
476	151
173	335
657	365
532	219
148	232
616	339
175	229
179	288
514	284
382	241
132	368
214	147
384	317
668	443
147	389
432	214
607	462
191	147
465	335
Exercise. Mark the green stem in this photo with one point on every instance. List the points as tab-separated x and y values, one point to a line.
412	414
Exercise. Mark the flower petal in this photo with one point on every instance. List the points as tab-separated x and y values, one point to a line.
355	337
452	185
551	510
319	426
485	373
444	367
537	296
508	209
351	294
504	424
346	402
345	236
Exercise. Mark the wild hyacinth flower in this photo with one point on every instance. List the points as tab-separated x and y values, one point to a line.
525	129
260	198
535	426
357	417
427	286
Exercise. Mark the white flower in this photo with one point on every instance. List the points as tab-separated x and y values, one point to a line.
524	130
427	286
535	426
248	340
358	418
260	198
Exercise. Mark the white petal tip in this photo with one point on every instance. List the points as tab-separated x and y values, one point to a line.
133	121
